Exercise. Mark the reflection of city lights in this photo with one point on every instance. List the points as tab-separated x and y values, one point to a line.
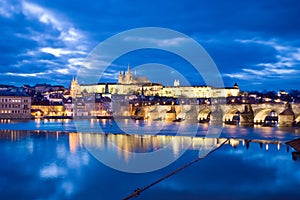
234	143
73	142
278	146
267	147
37	120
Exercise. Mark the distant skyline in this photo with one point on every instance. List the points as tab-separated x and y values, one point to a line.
255	44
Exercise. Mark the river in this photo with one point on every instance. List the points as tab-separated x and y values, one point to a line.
63	159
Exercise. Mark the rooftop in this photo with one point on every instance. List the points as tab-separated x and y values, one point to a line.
13	93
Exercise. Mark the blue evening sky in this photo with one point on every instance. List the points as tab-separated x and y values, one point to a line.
253	43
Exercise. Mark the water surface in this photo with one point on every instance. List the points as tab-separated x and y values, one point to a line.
51	161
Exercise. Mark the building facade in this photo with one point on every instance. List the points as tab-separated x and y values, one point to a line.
129	83
14	105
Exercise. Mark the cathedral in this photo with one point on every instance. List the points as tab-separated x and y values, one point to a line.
128	78
75	90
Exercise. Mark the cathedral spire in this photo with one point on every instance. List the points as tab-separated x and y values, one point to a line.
128	69
120	79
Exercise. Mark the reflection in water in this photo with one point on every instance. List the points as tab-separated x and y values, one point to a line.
55	165
73	142
127	144
13	135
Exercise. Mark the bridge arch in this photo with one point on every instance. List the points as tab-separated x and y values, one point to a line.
266	116
204	115
232	116
297	119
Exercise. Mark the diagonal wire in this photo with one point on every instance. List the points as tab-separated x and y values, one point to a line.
138	191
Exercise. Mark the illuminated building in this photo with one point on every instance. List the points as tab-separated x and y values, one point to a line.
128	78
14	105
75	89
129	83
47	110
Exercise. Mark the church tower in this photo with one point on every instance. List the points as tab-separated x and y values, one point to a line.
236	86
128	76
120	79
75	88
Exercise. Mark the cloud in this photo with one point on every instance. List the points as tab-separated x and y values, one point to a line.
8	8
58	52
41	42
271	43
31	10
286	66
158	42
67	33
63	71
24	74
245	39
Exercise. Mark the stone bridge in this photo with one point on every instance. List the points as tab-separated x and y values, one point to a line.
265	113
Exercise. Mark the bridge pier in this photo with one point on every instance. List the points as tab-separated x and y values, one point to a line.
247	119
287	117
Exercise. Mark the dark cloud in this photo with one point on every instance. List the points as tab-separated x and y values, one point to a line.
218	25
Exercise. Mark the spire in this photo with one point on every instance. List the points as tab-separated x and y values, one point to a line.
120	79
128	69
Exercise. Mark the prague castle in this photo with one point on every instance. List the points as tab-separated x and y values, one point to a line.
128	78
129	83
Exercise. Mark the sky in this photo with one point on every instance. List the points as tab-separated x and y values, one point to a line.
253	43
